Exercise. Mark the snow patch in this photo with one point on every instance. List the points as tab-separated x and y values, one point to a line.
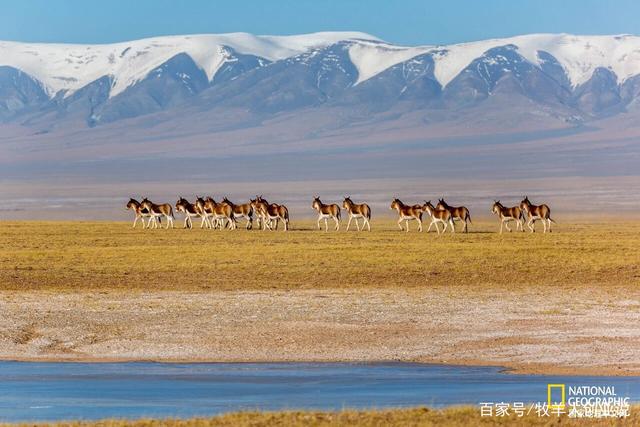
370	59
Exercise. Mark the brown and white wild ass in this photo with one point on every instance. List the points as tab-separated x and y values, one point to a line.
219	214
325	212
442	216
457	213
535	212
157	212
508	214
270	213
140	213
357	211
244	210
190	211
407	213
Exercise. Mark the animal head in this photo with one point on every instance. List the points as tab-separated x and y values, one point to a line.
496	206
347	202
427	207
525	203
316	202
132	204
181	204
395	204
441	204
145	202
200	201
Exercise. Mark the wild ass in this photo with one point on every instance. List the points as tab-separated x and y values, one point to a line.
357	211
534	212
325	212
407	213
140	213
219	214
457	213
270	213
190	211
442	216
244	210
508	214
158	211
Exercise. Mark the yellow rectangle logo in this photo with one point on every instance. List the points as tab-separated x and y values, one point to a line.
561	403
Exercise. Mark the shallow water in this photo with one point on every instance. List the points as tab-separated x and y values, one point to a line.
57	391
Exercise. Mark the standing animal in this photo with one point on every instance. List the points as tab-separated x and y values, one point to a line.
407	213
457	213
190	211
244	210
541	212
271	213
443	216
325	212
357	211
140	213
221	214
157	212
259	206
508	214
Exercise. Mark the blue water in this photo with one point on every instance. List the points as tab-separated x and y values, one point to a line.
62	391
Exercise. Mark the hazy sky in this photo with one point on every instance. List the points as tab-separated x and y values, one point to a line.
404	22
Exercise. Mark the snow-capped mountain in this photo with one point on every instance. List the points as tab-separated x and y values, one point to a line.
570	77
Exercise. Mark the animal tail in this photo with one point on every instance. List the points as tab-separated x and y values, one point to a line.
468	217
552	220
368	212
286	213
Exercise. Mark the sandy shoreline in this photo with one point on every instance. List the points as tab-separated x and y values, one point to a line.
586	330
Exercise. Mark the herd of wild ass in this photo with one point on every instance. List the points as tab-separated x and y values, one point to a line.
226	214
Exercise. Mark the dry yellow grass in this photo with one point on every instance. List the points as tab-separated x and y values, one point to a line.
93	256
454	417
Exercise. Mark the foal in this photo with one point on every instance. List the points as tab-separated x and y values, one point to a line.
325	212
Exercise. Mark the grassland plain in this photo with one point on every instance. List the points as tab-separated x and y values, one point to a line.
418	417
566	302
78	256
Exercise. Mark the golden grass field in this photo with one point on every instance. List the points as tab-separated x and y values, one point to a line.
69	256
423	417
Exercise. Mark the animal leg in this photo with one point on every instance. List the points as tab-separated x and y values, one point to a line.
335	218
368	225
349	223
358	225
400	224
453	228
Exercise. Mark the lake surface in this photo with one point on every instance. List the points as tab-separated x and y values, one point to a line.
62	391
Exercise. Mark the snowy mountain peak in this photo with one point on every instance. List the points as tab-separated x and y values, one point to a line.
69	67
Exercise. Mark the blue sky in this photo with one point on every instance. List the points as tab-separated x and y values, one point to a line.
405	22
